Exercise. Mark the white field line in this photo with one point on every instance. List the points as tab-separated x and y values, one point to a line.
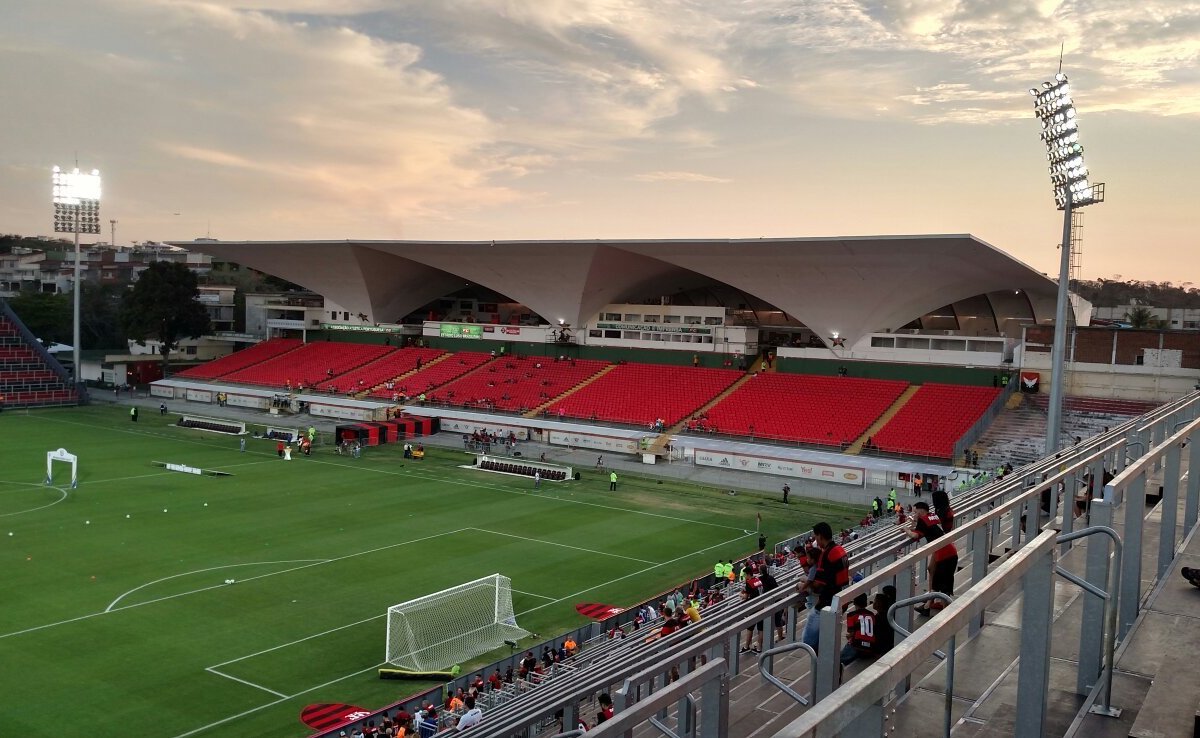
298	640
113	604
563	545
253	710
532	594
211	670
317	562
60	490
407	473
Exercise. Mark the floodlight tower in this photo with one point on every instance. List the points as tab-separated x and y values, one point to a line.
76	210
1053	106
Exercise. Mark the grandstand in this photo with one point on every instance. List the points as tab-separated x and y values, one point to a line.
308	365
436	375
933	420
29	376
640	394
517	383
826	411
390	366
244	359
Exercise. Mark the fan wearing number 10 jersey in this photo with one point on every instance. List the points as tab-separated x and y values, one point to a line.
860	632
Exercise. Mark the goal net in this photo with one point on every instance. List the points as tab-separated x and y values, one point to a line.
439	630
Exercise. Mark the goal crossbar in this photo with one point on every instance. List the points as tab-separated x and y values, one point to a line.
439	630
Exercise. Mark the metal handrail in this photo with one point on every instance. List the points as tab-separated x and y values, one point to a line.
626	720
1110	605
947	719
873	683
766	663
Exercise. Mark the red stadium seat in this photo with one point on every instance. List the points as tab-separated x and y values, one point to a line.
643	393
934	418
822	410
238	360
518	383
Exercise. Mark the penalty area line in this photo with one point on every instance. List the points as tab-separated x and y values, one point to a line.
562	545
281	700
211	670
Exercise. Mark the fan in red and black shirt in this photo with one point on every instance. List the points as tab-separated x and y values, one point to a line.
944	562
860	631
833	567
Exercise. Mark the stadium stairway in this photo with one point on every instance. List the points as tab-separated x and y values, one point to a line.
1017	435
542	408
882	420
365	393
659	446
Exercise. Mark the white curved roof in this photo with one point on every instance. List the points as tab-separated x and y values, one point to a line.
852	285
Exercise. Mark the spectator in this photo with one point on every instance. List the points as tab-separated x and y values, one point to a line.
860	631
472	716
885	636
943	562
768	582
749	593
830	575
606	708
427	722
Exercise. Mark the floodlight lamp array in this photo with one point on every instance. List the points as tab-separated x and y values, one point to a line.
1060	132
76	201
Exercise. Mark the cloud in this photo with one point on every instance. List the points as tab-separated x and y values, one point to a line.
199	107
679	177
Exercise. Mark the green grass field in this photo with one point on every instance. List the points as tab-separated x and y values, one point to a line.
116	620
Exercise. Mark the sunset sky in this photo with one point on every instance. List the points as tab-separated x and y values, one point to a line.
509	119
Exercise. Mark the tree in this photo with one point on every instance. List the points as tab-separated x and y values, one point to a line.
162	306
100	310
1142	317
47	315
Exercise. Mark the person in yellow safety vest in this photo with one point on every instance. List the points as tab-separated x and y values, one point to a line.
612	482
718	569
891	501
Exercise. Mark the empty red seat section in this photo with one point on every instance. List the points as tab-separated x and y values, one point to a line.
822	410
643	393
934	418
238	360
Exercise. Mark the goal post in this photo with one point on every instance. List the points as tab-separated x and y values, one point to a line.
67	457
439	630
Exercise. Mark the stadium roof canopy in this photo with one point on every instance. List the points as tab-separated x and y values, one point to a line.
849	285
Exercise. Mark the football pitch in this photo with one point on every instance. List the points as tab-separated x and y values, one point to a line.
117	619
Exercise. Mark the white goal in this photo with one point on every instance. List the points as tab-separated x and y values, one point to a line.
439	630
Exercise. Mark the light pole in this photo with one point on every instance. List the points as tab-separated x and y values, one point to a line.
76	210
1053	106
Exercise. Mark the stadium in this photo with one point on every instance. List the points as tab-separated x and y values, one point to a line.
460	456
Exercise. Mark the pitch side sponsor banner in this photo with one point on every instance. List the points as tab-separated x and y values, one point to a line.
786	467
600	443
470	426
157	390
199	395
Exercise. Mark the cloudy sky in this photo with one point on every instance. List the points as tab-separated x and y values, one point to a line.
482	119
